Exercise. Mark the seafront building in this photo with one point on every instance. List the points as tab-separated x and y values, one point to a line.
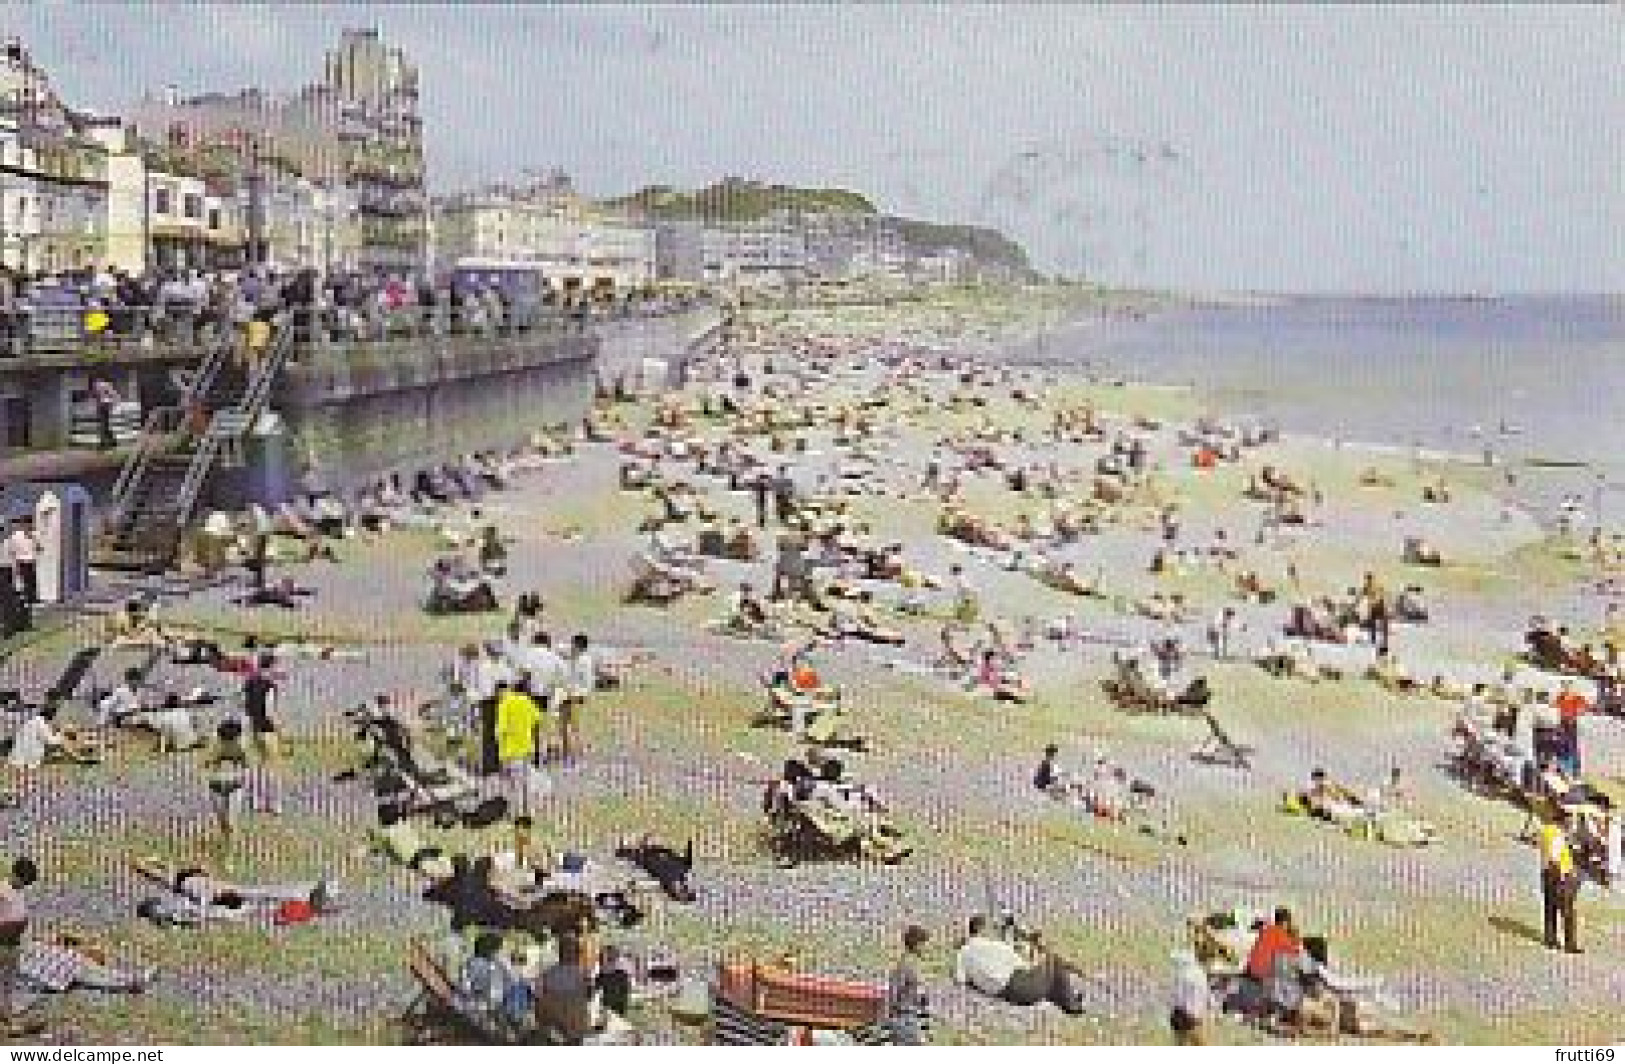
572	242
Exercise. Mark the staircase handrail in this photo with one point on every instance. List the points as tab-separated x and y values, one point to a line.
247	407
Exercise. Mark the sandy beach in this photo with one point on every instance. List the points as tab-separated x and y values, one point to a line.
1452	928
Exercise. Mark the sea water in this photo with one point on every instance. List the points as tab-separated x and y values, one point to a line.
1538	382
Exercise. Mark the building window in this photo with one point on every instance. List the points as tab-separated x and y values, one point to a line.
160	201
192	206
214	219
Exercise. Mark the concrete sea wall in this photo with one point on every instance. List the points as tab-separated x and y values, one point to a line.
350	414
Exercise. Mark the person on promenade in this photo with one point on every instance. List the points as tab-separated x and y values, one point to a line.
1559	884
14	612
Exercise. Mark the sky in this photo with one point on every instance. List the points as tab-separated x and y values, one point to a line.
1380	149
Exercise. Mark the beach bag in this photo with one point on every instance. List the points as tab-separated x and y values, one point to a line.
294	911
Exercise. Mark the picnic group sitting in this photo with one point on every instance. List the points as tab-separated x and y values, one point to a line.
987	665
194	896
748	616
170	717
1154	679
1106	789
1271	484
667	568
813	808
733	541
38	738
1065	577
1265	970
565	990
1419	551
1380	816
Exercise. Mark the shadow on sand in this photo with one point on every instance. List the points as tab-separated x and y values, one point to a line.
1517	928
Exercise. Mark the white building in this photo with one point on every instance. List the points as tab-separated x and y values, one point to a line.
768	253
556	232
53	172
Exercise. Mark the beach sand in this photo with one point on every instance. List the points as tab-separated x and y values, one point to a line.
1448	926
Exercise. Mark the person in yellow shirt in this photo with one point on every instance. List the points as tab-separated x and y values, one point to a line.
1559	883
518	720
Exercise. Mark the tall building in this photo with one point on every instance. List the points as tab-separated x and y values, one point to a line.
354	139
375	90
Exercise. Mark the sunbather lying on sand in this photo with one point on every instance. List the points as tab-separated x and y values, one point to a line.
196	895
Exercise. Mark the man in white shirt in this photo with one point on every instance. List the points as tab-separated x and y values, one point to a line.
994	967
122	701
578	680
545	668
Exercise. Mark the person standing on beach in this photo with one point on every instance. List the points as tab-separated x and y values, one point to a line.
1571	704
518	724
227	768
784	495
908	1010
760	489
13	925
1219	632
1559	884
23	547
579	680
259	698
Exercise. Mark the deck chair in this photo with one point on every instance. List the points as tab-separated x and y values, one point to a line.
651	583
1219	749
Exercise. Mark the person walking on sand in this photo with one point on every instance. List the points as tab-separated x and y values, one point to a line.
259	701
227	773
579	680
761	489
908	1009
1559	884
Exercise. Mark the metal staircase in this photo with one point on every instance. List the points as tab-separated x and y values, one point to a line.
159	488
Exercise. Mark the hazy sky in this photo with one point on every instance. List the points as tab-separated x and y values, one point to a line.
1276	147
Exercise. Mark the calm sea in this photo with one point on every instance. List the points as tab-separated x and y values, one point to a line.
1533	378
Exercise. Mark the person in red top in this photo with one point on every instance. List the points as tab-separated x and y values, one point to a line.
1570	705
1274	940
